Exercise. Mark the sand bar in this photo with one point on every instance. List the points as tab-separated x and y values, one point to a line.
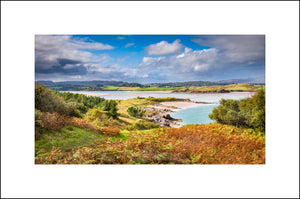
177	105
96	94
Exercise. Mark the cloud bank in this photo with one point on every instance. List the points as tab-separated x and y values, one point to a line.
63	58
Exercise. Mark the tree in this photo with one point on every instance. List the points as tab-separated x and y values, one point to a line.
111	107
248	112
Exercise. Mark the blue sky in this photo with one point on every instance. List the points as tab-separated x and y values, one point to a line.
149	58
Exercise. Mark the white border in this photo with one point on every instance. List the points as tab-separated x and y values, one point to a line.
277	20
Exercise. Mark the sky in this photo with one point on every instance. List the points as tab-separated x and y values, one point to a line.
149	58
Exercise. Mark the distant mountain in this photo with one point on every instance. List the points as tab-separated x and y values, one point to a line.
45	82
255	80
184	84
99	85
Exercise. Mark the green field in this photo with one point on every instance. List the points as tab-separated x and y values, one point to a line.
220	88
117	88
156	89
190	89
111	88
193	89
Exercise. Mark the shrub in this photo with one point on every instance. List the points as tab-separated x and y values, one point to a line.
191	144
248	112
110	106
135	112
47	101
110	130
45	122
96	114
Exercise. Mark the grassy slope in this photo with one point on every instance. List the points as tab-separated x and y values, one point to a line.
198	144
230	87
152	146
156	89
116	88
69	138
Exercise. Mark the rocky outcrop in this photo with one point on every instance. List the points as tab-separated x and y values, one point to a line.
162	116
160	113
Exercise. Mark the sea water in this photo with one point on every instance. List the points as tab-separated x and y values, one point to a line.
198	97
197	114
194	115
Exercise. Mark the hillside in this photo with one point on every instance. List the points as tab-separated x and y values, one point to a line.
77	129
194	86
220	88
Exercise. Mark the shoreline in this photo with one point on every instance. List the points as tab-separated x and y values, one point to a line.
170	91
164	109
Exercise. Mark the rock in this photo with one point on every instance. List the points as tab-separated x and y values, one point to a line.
167	116
162	116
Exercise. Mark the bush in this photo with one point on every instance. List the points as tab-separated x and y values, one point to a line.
110	130
110	106
135	112
45	122
100	118
96	114
47	101
248	112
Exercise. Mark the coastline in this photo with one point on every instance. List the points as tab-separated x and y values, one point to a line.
106	93
164	109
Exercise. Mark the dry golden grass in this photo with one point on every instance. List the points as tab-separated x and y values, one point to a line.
192	144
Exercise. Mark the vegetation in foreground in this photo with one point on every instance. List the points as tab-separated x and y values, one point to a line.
191	144
76	129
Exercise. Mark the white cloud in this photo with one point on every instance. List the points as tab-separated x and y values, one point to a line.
90	46
164	48
49	49
121	38
150	60
128	45
186	65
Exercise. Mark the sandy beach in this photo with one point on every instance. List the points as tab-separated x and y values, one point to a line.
176	105
179	104
96	94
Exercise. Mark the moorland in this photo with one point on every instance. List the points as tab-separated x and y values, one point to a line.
72	128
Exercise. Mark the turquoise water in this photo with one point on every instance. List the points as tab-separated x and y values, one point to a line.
194	115
189	115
